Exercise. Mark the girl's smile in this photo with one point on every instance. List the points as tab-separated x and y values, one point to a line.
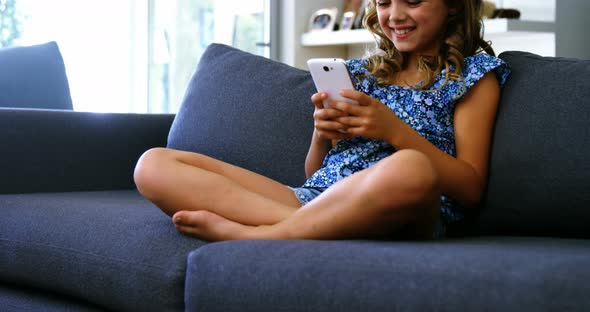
403	32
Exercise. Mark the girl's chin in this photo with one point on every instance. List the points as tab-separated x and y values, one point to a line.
403	47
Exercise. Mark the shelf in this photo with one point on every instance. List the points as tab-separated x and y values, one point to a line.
503	25
362	36
340	37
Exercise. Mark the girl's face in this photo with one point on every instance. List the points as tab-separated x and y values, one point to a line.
414	26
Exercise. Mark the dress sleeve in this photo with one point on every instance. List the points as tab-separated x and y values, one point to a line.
478	65
360	76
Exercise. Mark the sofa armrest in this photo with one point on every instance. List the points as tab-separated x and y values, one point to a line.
61	151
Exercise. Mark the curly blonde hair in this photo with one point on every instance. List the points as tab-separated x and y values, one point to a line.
463	37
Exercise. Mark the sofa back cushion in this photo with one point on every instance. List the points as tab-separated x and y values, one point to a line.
539	181
34	77
249	111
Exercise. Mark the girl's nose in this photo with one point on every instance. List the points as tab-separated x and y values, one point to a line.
397	12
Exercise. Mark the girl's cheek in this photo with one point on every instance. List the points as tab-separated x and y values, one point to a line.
381	18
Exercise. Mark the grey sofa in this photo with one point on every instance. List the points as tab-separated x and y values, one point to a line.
75	235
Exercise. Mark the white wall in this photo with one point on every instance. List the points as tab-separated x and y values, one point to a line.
571	30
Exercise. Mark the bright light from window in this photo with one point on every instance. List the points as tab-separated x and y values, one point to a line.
97	42
138	55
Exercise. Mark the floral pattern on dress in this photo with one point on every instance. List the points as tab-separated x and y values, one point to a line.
429	112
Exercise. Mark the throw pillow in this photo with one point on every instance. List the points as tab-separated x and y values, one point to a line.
247	110
34	77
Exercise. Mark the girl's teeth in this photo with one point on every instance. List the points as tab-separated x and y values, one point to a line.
402	31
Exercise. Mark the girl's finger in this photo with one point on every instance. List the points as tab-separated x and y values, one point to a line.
328	113
362	98
318	98
329	125
350	121
348	108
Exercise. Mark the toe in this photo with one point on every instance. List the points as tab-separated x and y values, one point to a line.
188	218
187	230
177	218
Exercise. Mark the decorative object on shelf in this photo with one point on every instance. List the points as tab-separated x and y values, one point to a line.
323	20
359	8
506	13
489	10
347	20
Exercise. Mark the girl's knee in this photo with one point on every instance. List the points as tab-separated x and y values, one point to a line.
406	191
148	170
406	176
411	168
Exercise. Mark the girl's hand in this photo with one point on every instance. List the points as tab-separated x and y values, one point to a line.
371	118
325	119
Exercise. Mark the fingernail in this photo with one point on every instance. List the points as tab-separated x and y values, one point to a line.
177	220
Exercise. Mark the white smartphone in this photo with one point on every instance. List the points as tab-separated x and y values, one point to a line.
331	75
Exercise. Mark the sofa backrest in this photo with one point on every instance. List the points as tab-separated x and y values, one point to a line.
34	77
539	182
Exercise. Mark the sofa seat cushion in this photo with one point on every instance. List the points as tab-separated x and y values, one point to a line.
113	249
15	299
34	77
247	110
475	274
539	178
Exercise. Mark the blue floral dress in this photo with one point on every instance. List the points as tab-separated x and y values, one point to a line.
429	112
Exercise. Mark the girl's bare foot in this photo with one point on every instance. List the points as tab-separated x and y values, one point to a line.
212	227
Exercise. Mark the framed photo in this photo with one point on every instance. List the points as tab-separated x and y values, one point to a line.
347	20
323	20
358	8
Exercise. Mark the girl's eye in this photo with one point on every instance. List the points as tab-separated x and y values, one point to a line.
382	3
414	3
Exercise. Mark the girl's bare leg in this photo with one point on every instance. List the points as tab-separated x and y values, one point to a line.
400	192
183	181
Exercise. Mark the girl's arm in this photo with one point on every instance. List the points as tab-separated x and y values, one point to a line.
462	178
474	120
325	133
317	151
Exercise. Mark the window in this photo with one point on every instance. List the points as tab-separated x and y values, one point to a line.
11	22
138	55
179	32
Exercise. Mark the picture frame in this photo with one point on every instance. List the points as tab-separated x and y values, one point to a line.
358	8
347	22
323	19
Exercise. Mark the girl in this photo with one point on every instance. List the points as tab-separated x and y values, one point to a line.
410	159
